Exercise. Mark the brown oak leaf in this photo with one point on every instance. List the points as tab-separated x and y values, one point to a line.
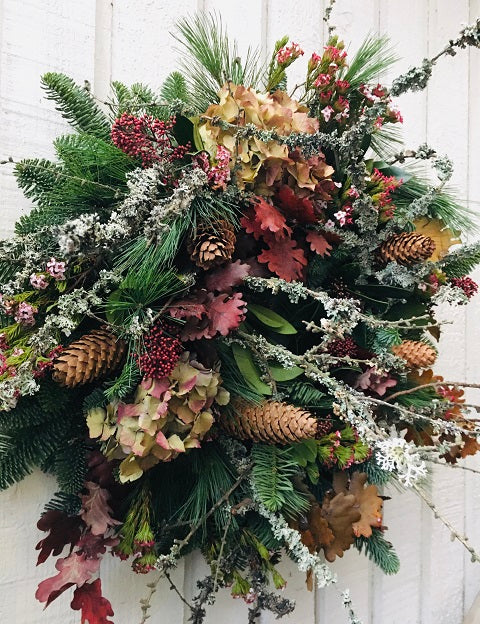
340	513
367	501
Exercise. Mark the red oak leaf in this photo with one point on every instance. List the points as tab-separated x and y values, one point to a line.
94	607
95	509
223	280
318	243
63	530
266	219
284	259
187	308
225	313
93	546
298	208
72	570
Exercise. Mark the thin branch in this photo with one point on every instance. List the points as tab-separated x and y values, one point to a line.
454	533
433	384
177	591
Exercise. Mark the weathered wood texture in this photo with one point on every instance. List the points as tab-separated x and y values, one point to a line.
101	40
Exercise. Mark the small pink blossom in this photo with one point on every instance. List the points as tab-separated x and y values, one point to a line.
327	113
375	382
56	269
322	80
314	61
38	281
25	314
17	351
289	53
3	342
3	364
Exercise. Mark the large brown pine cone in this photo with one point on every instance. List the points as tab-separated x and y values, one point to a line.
92	357
416	354
271	422
213	244
406	248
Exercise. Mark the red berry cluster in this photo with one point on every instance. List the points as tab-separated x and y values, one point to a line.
161	353
343	348
324	426
146	138
468	286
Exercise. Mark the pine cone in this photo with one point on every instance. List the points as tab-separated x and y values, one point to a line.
415	353
272	422
213	244
406	248
91	357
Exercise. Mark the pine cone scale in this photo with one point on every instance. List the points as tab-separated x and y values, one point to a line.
89	358
406	248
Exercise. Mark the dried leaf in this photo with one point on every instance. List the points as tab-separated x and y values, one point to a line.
63	530
225	313
95	509
284	259
72	570
94	607
318	243
369	504
225	278
298	208
340	513
442	236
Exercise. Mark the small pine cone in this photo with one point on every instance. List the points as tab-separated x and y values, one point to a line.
92	357
272	422
415	353
406	248
213	244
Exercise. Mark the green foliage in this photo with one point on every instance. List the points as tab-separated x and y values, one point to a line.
306	395
373	58
91	176
341	448
211	60
37	431
250	371
68	503
461	262
273	470
385	338
211	476
232	378
142	288
175	88
76	105
138	99
380	551
125	383
375	475
443	205
70	466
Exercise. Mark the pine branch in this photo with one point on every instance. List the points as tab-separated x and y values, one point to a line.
462	261
175	88
76	105
211	60
374	57
272	473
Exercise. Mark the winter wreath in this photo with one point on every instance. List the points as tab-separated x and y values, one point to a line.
218	321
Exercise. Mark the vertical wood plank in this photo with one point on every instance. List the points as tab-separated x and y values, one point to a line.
472	329
143	49
443	559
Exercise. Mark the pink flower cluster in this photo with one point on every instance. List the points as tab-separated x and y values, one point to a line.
288	54
25	314
218	175
146	138
56	269
381	192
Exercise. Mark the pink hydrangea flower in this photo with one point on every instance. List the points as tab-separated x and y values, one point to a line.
56	269
327	113
38	281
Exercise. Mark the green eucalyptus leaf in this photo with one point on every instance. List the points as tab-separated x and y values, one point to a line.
280	373
250	371
271	319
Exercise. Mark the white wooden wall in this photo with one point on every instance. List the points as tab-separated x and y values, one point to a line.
129	40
